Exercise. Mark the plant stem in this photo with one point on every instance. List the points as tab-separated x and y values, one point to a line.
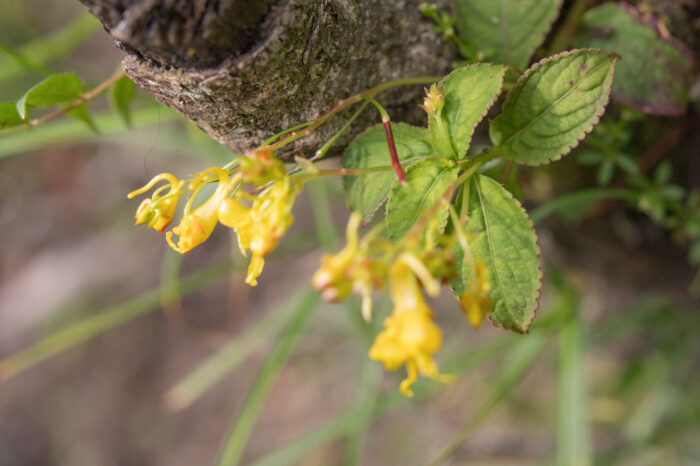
345	103
393	154
344	172
88	96
326	147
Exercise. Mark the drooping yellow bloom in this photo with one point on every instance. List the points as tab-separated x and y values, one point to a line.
332	278
235	215
159	210
350	270
197	225
410	337
475	301
259	220
261	226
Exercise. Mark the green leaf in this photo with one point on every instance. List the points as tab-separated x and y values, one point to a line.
506	241
507	32
82	113
53	90
654	73
553	106
120	96
427	181
469	92
9	116
366	193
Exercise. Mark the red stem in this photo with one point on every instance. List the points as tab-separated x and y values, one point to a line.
392	152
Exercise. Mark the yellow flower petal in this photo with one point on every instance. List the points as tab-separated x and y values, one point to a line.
255	268
410	337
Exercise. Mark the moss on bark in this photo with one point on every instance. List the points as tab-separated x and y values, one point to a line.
242	77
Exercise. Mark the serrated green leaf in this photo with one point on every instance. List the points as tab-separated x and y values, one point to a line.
654	73
366	193
506	31
82	113
506	241
53	90
427	181
9	116
120	96
469	92
553	106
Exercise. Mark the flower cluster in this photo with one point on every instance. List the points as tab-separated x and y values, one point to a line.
254	198
410	337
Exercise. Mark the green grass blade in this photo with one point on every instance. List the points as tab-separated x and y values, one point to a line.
325	228
72	131
207	374
518	363
360	416
41	51
13	57
170	277
241	430
572	447
365	401
366	394
101	322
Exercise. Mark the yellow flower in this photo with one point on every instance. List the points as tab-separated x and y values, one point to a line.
196	226
235	215
272	217
158	211
261	166
350	270
476	302
332	277
410	337
255	268
260	227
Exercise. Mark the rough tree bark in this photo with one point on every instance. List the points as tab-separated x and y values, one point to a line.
245	69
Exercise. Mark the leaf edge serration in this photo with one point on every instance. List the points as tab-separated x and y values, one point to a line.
535	303
607	97
489	105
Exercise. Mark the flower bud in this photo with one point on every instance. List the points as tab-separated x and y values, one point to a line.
434	100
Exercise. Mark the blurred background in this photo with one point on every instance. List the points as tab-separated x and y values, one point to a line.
114	350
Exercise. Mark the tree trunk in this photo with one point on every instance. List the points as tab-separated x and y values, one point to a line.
243	70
